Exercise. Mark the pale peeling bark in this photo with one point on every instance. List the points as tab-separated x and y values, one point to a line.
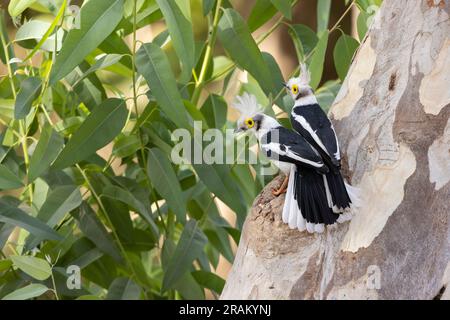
392	119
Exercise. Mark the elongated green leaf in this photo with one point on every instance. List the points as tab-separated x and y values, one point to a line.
49	145
180	30
240	45
29	91
284	6
102	63
262	12
49	31
34	267
165	181
154	66
8	179
304	38
209	280
100	127
323	15
125	146
208	5
95	231
214	110
127	197
317	61
189	248
217	178
5	264
90	89
59	202
16	7
98	19
33	31
343	53
30	291
123	289
275	72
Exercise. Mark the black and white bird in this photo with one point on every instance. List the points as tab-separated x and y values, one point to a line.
306	203
310	121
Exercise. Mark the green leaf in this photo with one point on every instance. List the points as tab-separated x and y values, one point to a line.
5	264
8	179
90	89
343	53
49	31
323	15
304	38
60	201
94	230
16	7
262	11
209	280
98	19
154	66
37	268
6	109
166	183
327	93
13	215
29	91
208	5
123	289
284	6
49	145
218	179
125	146
180	30
33	31
103	62
189	248
317	61
100	127
127	197
214	110
240	45
30	291
361	23
275	71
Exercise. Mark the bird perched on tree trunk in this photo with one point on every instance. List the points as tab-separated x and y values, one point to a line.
310	121
306	205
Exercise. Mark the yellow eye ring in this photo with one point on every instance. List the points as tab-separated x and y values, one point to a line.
294	89
249	122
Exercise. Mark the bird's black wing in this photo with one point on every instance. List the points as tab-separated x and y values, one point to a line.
313	124
285	145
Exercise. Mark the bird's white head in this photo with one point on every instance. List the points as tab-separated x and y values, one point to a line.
252	118
299	87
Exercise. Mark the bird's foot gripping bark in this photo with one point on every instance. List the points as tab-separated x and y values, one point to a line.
282	189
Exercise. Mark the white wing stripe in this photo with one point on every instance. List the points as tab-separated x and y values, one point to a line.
308	128
275	147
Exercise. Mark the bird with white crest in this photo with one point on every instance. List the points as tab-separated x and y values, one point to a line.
306	205
311	122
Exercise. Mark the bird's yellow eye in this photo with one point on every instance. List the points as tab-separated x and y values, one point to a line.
294	89
249	123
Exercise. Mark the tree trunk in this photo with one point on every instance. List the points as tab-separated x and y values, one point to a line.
392	119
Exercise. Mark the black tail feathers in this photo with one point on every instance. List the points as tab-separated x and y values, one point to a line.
311	197
337	192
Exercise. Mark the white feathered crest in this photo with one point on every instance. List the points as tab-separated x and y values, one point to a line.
305	76
247	105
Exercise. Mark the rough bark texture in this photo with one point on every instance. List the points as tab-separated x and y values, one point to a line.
392	119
